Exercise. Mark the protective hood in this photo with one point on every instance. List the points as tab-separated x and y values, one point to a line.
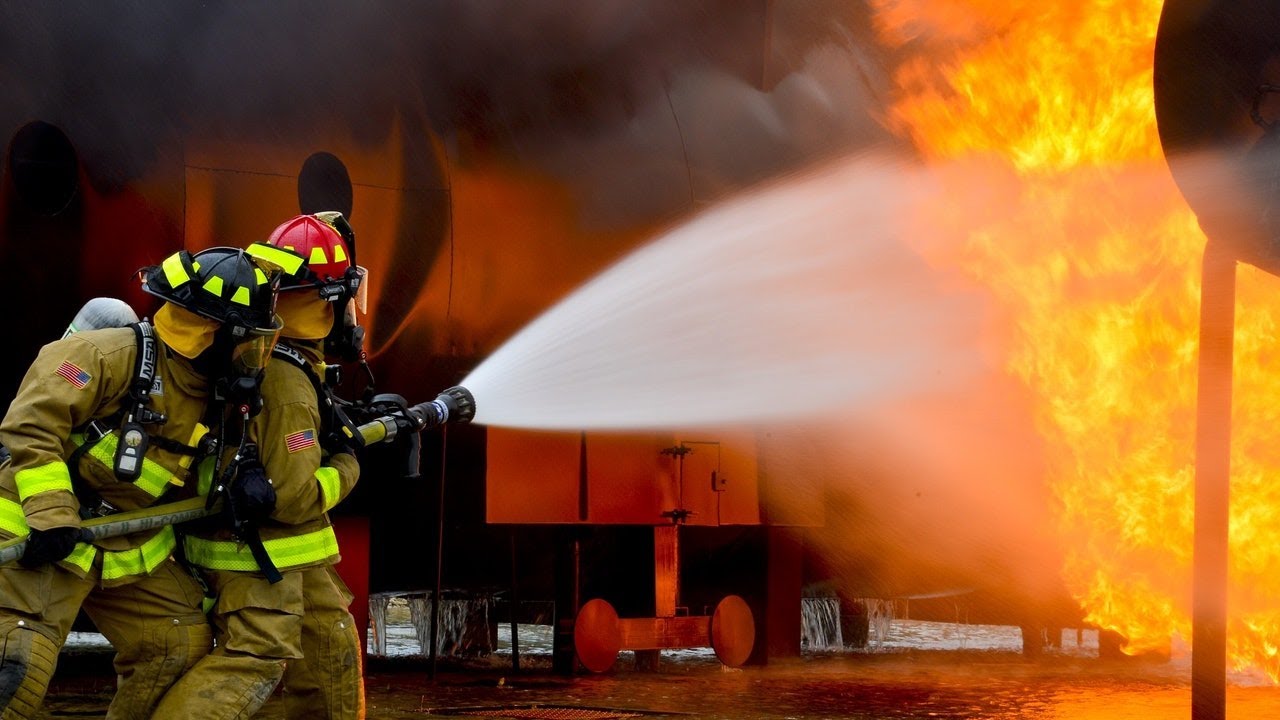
305	316
187	333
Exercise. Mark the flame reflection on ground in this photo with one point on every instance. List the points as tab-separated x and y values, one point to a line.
968	685
920	671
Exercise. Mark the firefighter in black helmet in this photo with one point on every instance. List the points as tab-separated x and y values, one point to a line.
114	420
289	618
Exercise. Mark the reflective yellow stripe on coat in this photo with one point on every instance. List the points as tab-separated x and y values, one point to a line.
330	486
14	522
285	552
154	478
140	560
51	476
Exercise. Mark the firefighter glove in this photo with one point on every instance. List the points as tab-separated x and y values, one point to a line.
49	546
252	498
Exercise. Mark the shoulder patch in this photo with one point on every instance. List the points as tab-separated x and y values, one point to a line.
73	374
300	440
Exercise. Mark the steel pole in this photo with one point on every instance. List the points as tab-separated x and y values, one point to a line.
1213	482
435	592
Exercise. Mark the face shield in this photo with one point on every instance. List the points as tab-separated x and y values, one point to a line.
249	357
358	284
360	294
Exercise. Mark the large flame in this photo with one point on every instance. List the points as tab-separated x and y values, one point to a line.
1096	258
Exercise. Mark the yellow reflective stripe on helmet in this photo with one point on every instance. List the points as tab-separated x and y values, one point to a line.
82	556
338	254
241	296
140	560
174	273
50	476
330	486
317	256
285	552
260	276
12	519
289	262
154	478
213	286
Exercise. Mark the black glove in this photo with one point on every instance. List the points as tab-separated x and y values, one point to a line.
49	546
251	496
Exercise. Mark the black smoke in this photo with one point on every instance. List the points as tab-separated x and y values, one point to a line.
683	97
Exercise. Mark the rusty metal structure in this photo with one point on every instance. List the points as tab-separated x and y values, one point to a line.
1215	80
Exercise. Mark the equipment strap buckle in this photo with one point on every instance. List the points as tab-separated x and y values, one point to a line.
102	509
95	430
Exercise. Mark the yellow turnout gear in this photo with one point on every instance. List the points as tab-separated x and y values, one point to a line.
265	631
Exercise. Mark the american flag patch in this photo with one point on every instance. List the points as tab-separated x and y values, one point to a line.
300	440
73	374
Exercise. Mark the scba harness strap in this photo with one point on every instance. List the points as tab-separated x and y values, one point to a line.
133	437
333	421
125	452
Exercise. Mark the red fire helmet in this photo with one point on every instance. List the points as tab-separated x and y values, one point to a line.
317	240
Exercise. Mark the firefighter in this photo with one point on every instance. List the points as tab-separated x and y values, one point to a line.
112	420
290	619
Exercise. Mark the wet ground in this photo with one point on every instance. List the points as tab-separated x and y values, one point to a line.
920	671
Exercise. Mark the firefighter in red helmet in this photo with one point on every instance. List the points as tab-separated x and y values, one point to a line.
289	618
114	420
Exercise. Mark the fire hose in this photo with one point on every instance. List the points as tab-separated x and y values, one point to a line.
454	405
124	523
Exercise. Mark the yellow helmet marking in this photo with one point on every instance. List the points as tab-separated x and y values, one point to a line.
241	296
289	262
174	273
317	256
213	286
338	254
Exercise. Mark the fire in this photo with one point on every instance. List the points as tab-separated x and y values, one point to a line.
1095	257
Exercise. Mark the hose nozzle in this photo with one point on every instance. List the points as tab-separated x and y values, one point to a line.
454	405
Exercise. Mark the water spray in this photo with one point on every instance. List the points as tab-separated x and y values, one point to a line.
808	284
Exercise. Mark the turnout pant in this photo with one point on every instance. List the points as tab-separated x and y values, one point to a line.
258	627
327	683
155	624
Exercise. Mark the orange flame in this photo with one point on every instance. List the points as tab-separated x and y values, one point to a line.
1096	258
